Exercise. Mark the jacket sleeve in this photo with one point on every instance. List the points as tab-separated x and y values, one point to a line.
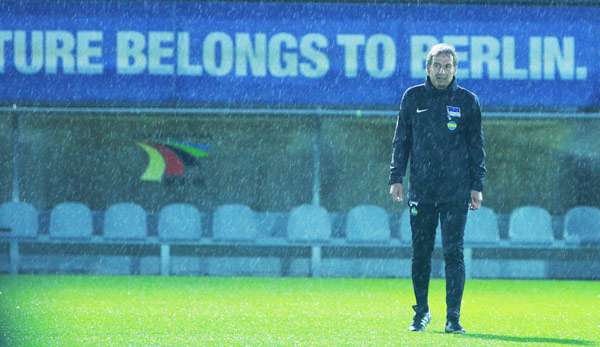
476	151
401	144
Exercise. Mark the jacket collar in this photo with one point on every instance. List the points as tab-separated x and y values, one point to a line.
451	88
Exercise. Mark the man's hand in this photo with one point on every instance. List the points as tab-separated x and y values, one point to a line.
476	199
397	192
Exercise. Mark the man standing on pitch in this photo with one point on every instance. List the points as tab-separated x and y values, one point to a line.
439	128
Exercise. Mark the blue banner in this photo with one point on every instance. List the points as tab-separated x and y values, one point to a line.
181	53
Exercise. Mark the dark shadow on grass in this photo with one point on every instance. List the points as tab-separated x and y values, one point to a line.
528	339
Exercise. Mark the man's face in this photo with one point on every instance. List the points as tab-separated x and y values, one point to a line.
441	71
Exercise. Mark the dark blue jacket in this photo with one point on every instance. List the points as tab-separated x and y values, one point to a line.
440	131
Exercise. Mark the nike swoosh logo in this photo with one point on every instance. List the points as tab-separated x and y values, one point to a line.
422	110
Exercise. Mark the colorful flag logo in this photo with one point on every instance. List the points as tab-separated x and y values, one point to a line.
170	158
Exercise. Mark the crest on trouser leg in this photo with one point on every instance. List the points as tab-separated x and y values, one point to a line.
412	205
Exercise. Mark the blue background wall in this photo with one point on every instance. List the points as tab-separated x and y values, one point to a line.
181	53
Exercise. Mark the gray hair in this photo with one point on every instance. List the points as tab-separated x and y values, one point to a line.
441	48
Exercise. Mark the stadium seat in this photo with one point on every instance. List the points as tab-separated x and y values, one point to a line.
21	218
482	227
234	222
530	225
582	225
125	221
179	221
406	233
309	223
367	223
71	220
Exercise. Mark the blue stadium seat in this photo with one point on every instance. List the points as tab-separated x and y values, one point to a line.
530	225
71	220
582	225
482	227
21	218
406	234
179	221
125	221
367	223
234	222
309	223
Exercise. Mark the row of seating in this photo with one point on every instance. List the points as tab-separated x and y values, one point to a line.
305	223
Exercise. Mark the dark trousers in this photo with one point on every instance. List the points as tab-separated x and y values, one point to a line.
423	221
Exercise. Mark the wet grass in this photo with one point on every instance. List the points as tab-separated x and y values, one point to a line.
202	311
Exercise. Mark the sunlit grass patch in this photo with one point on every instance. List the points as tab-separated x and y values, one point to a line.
207	311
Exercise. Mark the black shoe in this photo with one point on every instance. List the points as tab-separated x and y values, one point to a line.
420	320
454	327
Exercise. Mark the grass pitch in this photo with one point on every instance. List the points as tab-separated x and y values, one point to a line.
208	311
